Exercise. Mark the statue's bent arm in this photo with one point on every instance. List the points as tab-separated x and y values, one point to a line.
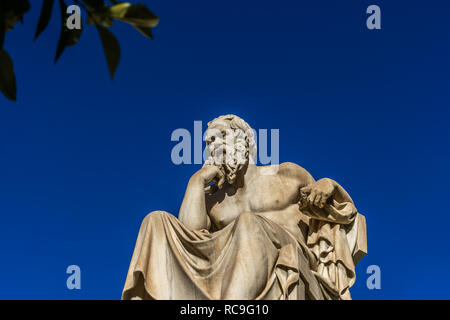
324	199
193	208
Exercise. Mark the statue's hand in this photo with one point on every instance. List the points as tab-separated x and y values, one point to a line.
317	193
208	174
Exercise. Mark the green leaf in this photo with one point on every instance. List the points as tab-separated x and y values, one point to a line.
7	77
135	14
46	13
67	37
119	10
124	10
111	47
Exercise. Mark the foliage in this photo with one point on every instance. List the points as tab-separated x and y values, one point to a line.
99	13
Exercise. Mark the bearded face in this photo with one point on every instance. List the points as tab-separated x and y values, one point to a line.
228	149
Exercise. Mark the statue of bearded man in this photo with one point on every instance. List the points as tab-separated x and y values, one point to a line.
249	232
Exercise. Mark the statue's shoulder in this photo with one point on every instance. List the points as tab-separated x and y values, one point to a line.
292	171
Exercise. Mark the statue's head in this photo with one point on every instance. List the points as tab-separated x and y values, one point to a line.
231	145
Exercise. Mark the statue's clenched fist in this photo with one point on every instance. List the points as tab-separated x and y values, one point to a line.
317	193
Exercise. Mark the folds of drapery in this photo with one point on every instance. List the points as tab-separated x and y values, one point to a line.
337	238
251	258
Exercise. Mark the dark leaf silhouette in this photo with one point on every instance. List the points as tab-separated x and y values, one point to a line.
95	3
19	7
46	13
67	37
100	13
12	11
2	32
63	37
111	47
146	31
7	77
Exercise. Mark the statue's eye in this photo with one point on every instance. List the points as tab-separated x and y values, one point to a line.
212	139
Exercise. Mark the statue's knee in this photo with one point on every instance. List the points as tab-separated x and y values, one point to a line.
154	216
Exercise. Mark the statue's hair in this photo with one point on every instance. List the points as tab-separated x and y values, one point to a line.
241	127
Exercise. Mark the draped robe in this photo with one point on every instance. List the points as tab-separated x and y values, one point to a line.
251	258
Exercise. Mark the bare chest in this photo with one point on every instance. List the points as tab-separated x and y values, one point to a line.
263	196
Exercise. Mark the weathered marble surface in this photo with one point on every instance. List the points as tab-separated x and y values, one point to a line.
256	233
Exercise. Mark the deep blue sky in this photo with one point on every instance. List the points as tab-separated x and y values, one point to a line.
83	159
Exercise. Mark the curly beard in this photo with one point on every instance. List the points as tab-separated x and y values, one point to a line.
230	160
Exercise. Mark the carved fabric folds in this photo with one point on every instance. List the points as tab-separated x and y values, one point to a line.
332	238
251	258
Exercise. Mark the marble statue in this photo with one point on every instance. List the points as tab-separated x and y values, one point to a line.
249	232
